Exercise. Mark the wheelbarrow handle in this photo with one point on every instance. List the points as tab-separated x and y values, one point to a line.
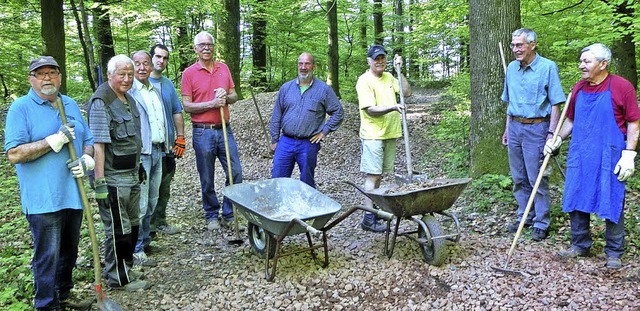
315	232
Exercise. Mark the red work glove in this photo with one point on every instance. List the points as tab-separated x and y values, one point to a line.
178	148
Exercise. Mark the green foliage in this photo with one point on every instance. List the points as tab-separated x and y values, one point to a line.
490	191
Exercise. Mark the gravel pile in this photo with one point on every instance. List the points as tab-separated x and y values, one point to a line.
199	270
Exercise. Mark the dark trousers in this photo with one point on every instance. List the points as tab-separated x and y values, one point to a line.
581	233
159	217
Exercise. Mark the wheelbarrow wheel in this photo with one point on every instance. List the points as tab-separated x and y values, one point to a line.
433	250
259	239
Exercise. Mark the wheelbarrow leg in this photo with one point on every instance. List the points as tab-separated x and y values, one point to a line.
326	249
388	247
270	270
313	251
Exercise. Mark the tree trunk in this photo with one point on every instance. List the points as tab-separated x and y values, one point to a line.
85	40
364	43
229	40
259	51
623	48
333	61
52	31
104	37
398	35
491	21
184	46
377	22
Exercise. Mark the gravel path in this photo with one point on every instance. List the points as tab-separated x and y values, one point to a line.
200	271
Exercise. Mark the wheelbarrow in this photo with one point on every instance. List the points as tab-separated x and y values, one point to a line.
411	202
280	207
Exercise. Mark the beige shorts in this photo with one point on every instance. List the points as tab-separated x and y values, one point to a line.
378	156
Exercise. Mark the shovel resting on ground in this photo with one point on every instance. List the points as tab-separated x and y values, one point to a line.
104	303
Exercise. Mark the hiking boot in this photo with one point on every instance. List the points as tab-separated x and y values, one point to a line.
213	224
613	263
513	228
150	249
141	259
538	234
231	224
573	252
73	302
371	223
134	286
167	229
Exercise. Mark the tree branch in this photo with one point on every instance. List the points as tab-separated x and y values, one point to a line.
565	8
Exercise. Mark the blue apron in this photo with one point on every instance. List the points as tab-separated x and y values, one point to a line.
595	148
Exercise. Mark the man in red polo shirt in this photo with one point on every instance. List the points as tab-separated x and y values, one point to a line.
206	88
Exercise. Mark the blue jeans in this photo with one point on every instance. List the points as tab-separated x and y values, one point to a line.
149	193
208	145
290	151
525	145
613	234
55	250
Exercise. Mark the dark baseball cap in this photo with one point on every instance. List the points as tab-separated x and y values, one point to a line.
43	61
376	50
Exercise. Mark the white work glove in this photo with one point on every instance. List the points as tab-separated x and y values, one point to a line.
552	145
80	166
625	166
65	134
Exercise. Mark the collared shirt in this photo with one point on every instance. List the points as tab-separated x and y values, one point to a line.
298	114
154	111
171	102
378	91
530	91
46	184
201	85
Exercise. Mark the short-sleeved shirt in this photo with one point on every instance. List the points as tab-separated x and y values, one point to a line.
378	91
170	100
46	184
531	91
624	97
201	85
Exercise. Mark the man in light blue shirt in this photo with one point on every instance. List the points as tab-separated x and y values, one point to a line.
533	92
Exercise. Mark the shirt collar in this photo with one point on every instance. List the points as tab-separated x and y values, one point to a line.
37	99
140	86
310	83
533	64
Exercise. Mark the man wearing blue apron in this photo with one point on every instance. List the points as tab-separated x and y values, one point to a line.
602	118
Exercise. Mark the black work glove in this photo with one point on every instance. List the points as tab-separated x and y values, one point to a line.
142	174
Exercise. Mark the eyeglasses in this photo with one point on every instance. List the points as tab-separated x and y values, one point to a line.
41	75
202	46
518	45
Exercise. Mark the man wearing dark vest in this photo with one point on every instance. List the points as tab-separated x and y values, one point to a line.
115	122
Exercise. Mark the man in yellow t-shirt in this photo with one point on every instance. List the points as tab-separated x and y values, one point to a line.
380	123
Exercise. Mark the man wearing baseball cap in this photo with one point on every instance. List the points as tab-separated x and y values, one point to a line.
380	124
36	142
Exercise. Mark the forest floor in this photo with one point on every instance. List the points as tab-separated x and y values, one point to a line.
199	270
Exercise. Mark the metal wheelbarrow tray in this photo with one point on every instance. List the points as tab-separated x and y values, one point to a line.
436	197
280	207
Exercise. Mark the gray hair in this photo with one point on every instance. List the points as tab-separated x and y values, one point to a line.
140	52
195	39
600	51
531	35
118	59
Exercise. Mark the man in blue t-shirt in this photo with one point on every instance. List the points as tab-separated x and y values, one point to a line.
36	141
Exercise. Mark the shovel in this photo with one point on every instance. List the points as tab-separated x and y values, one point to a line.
237	240
532	197
104	303
405	133
269	153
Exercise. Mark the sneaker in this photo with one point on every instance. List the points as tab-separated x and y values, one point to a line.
73	302
231	224
513	228
538	234
167	229
135	274
213	224
374	226
134	286
141	259
613	263
573	252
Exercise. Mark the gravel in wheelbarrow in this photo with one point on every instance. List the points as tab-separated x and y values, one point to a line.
280	207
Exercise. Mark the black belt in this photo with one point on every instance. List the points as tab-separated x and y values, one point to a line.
297	137
208	126
530	120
